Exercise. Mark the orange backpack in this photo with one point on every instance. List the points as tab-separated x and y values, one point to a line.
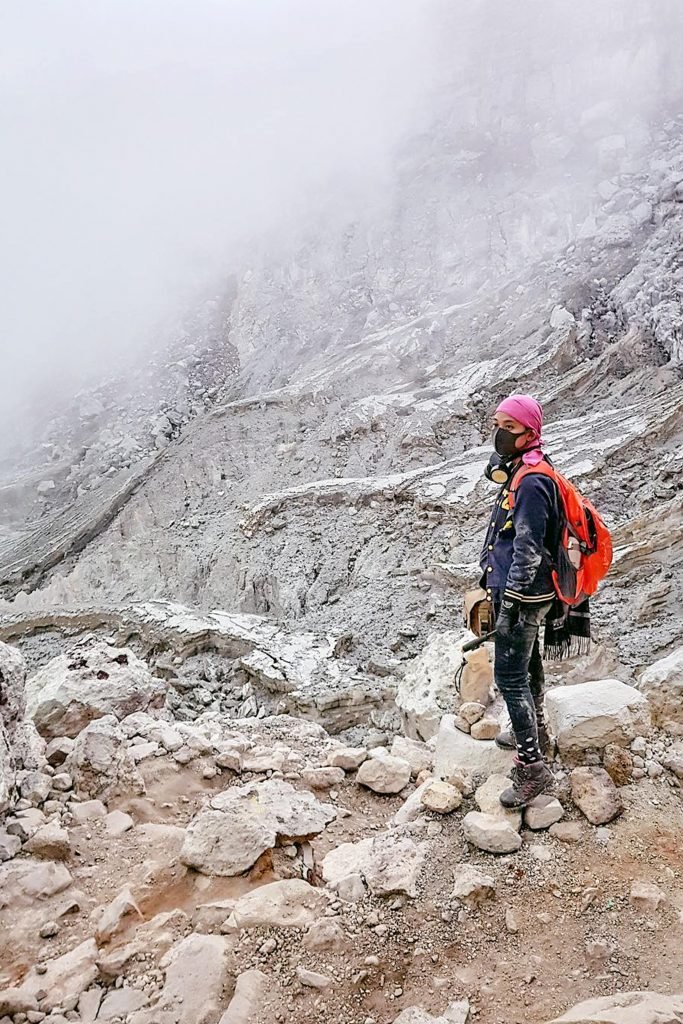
584	552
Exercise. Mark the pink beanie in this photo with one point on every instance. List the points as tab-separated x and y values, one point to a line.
529	412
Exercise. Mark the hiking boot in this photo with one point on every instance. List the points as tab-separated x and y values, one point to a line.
506	740
528	782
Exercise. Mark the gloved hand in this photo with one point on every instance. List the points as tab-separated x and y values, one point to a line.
507	617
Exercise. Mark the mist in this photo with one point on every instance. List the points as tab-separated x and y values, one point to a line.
144	144
149	148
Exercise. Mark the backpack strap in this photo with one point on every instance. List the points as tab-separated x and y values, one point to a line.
544	468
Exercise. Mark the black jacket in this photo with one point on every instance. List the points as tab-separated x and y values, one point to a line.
517	558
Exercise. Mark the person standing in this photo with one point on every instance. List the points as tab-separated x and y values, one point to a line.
517	577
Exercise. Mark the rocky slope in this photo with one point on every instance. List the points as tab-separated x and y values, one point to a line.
238	780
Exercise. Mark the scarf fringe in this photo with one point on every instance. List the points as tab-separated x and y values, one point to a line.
567	632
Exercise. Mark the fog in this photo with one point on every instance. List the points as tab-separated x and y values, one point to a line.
144	142
147	144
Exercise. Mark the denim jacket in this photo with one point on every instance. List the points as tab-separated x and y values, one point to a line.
516	559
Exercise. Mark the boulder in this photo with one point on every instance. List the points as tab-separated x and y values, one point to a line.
244	1006
490	834
50	841
390	863
662	685
322	778
291	903
440	797
58	750
471	885
413	806
228	836
457	753
596	714
71	691
626	1008
120	1002
471	711
428	691
383	773
100	764
595	795
111	918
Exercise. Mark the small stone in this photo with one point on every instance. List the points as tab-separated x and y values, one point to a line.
618	764
35	787
118	822
351	889
209	772
62	782
471	711
49	929
472	886
311	979
646	897
230	759
490	834
461	723
595	795
322	778
511	921
567	831
441	797
486	729
543	812
654	769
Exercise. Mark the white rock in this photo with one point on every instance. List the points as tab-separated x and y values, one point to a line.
141	751
322	778
118	822
485	729
417	754
100	763
646	896
455	1013
595	714
291	903
487	797
662	685
348	758
169	738
471	711
10	845
12	720
120	1002
196	973
244	1006
440	797
69	692
625	1008
427	690
58	750
66	977
390	864
561	317
595	795
413	807
490	834
110	919
243	822
50	841
87	810
383	773
457	752
471	885
543	812
311	979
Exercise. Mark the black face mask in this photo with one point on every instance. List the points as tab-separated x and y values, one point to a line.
505	443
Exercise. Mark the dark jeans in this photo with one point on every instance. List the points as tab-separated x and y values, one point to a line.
518	673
